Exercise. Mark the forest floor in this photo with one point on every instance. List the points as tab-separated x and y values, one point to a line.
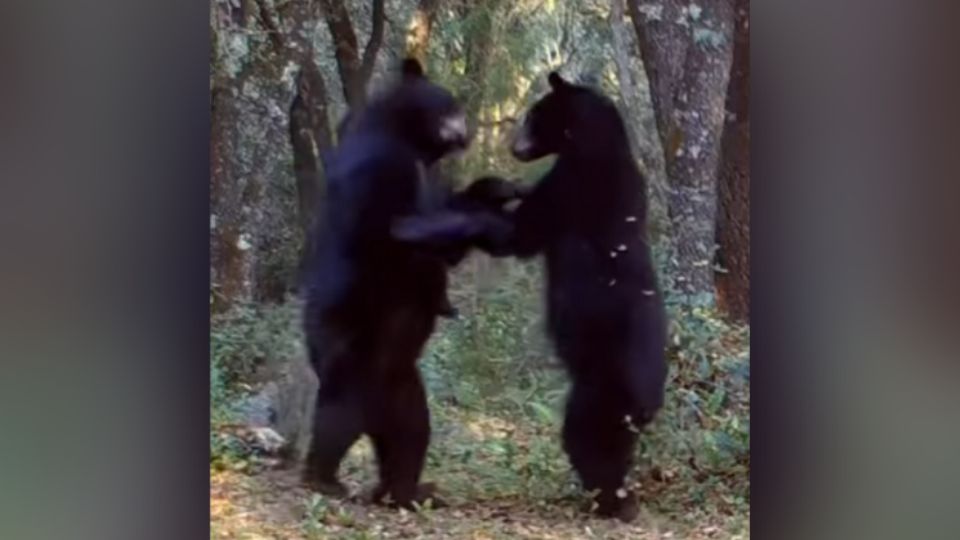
250	501
495	451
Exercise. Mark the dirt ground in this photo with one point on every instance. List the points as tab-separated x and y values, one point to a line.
272	505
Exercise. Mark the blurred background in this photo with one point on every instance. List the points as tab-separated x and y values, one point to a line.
282	76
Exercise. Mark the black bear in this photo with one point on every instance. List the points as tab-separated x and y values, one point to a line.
371	300
485	194
344	126
604	307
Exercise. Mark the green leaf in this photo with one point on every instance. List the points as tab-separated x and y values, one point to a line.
716	400
543	412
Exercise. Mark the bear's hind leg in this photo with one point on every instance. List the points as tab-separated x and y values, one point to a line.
337	424
599	444
401	435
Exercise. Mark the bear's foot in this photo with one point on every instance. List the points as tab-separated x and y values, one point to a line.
622	506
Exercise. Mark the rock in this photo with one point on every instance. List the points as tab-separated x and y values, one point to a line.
267	440
259	410
284	405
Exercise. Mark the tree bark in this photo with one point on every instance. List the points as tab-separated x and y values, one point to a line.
687	54
478	48
354	72
309	118
253	238
309	125
418	34
373	44
231	257
310	138
733	218
650	161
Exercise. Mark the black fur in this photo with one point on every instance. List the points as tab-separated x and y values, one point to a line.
606	315
606	318
486	195
371	301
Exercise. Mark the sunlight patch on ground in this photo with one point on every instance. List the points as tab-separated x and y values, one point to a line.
483	426
273	505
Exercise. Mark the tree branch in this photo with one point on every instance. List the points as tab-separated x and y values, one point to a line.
345	50
373	44
269	21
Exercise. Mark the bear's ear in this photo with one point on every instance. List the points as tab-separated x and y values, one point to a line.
411	68
556	81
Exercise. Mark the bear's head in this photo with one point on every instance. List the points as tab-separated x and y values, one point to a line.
569	117
425	115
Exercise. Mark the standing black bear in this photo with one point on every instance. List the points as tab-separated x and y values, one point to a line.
486	194
606	316
371	301
604	307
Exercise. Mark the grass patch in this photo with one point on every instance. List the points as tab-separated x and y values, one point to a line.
496	400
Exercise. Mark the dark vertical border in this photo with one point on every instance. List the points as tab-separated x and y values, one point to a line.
844	125
105	164
766	438
167	95
176	81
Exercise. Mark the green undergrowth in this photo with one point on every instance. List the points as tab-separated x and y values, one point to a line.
242	341
497	398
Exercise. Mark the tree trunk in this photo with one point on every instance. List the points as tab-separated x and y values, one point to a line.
254	232
651	164
479	48
231	257
687	54
309	122
354	72
310	138
309	117
418	34
733	219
